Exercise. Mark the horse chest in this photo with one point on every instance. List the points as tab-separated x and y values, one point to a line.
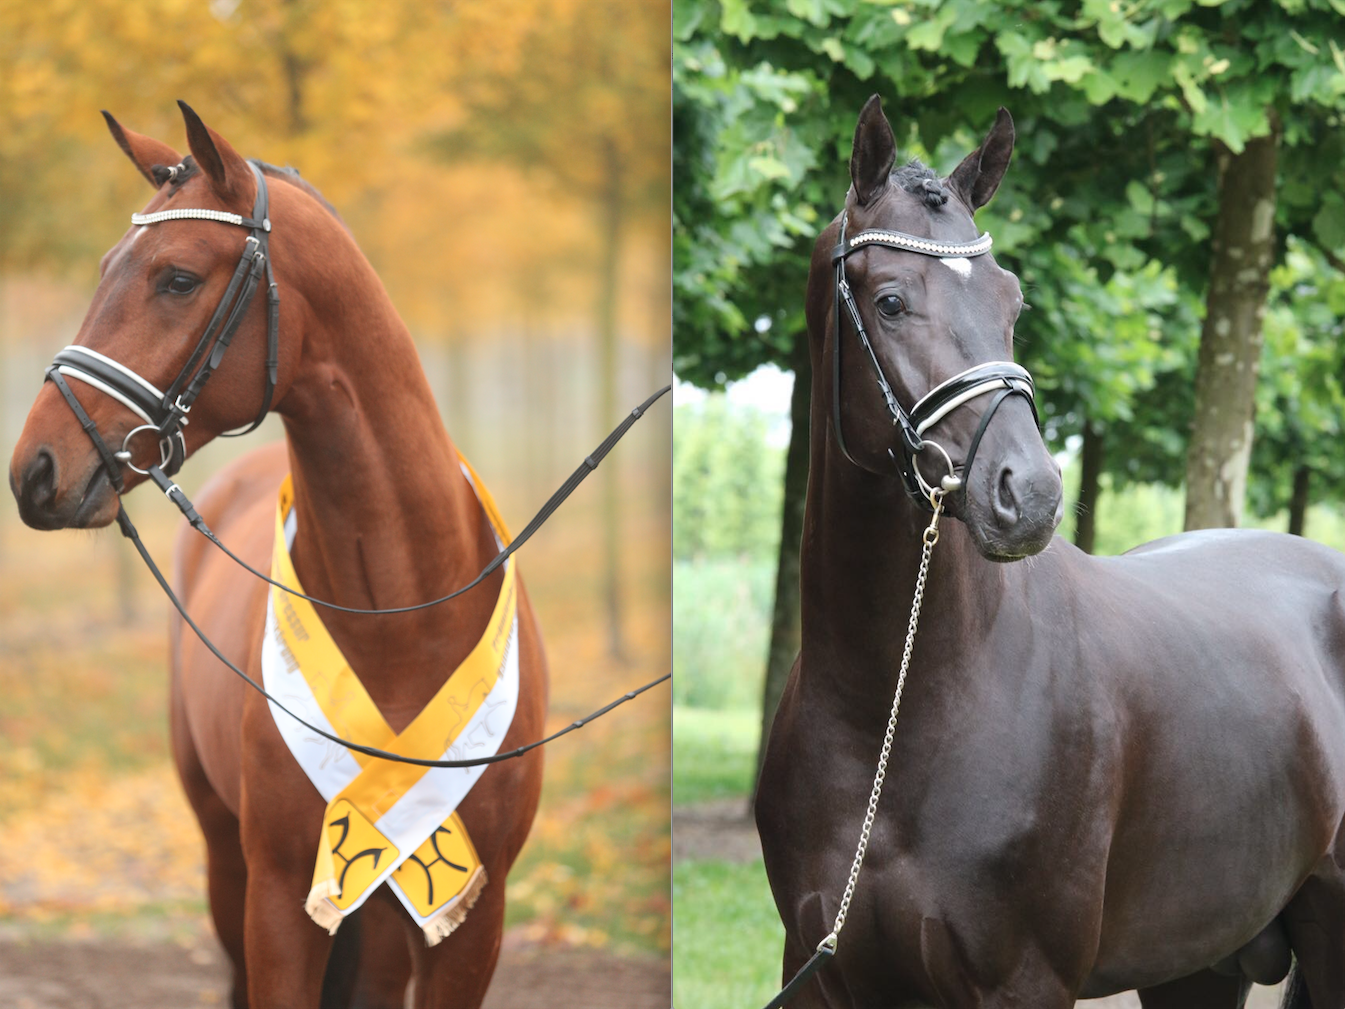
971	806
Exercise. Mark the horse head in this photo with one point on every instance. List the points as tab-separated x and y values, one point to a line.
162	290
920	334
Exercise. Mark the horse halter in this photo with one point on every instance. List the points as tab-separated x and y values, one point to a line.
165	412
1005	378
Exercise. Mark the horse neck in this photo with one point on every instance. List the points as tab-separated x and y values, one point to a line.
862	547
385	516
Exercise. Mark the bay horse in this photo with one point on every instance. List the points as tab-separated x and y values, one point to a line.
385	518
1108	773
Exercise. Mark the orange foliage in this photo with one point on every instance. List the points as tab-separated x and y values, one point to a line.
360	96
355	93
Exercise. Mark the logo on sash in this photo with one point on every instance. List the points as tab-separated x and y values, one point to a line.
389	822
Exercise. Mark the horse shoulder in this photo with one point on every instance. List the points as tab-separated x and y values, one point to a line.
226	603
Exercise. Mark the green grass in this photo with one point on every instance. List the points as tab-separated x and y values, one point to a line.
721	631
727	938
714	753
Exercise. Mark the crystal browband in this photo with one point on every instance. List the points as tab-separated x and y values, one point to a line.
925	246
223	216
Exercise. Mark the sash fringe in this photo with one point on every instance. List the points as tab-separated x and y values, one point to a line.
322	910
446	922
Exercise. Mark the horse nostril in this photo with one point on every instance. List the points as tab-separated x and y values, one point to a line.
38	487
1005	504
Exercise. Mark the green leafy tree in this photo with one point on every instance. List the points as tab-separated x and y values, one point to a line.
726	483
1301	396
1144	130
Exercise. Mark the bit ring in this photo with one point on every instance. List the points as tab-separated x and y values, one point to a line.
124	456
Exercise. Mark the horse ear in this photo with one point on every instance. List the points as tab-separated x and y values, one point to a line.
979	175
228	173
874	152
144	152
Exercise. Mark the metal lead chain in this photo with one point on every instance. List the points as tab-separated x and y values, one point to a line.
931	537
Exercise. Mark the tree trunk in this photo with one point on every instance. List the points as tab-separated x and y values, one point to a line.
127	562
785	627
607	366
1090	483
1230	340
460	391
1298	501
294	68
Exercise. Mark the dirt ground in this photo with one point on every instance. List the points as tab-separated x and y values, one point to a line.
103	974
719	829
722	829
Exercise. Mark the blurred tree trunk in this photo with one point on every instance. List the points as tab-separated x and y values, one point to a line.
1090	485
1298	501
1230	340
459	391
660	374
537	476
127	561
610	210
294	67
785	620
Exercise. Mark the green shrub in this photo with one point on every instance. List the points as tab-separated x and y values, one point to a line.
721	628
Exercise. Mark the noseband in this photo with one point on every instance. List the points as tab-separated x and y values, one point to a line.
165	412
1001	377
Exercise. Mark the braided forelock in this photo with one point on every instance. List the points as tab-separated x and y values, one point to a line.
920	180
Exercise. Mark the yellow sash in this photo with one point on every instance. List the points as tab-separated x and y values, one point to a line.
443	875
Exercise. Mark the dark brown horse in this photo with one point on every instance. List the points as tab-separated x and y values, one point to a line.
1108	773
385	519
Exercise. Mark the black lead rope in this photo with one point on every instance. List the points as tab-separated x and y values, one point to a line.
814	964
590	463
129	531
175	494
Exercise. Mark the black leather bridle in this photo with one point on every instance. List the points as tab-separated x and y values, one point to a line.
165	412
1004	378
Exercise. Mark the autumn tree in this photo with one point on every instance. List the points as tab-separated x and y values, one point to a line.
573	106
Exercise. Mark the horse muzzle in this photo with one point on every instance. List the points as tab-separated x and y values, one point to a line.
1012	507
35	478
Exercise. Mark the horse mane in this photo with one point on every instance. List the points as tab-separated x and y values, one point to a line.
289	174
920	180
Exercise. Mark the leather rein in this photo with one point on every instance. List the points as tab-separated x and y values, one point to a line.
166	413
1004	378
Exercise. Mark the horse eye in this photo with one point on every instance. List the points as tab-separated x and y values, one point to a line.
182	284
890	305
